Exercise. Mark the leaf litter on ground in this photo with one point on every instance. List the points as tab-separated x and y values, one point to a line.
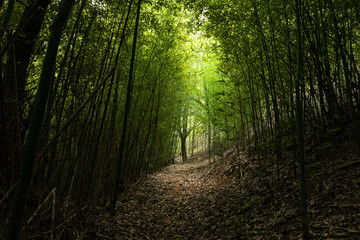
232	198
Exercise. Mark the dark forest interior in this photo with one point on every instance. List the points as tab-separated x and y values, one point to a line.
178	119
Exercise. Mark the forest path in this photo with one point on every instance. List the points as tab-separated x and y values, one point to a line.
183	201
197	201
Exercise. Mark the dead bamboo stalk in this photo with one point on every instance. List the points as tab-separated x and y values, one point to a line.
52	193
7	194
53	216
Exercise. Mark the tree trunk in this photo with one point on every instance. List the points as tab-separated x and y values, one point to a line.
183	148
127	109
13	124
299	112
23	184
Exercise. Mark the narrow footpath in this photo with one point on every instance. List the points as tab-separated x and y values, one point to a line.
230	199
180	202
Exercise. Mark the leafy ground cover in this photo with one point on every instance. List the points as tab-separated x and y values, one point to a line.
231	199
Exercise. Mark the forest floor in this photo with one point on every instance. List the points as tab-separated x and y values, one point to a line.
198	200
183	201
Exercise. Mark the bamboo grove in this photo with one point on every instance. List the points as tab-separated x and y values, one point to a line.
257	41
79	143
202	76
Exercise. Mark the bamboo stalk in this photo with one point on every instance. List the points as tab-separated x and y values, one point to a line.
53	216
52	193
7	194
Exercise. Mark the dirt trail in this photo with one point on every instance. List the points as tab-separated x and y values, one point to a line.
197	201
180	202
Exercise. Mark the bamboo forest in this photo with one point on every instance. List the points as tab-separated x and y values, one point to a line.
179	119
